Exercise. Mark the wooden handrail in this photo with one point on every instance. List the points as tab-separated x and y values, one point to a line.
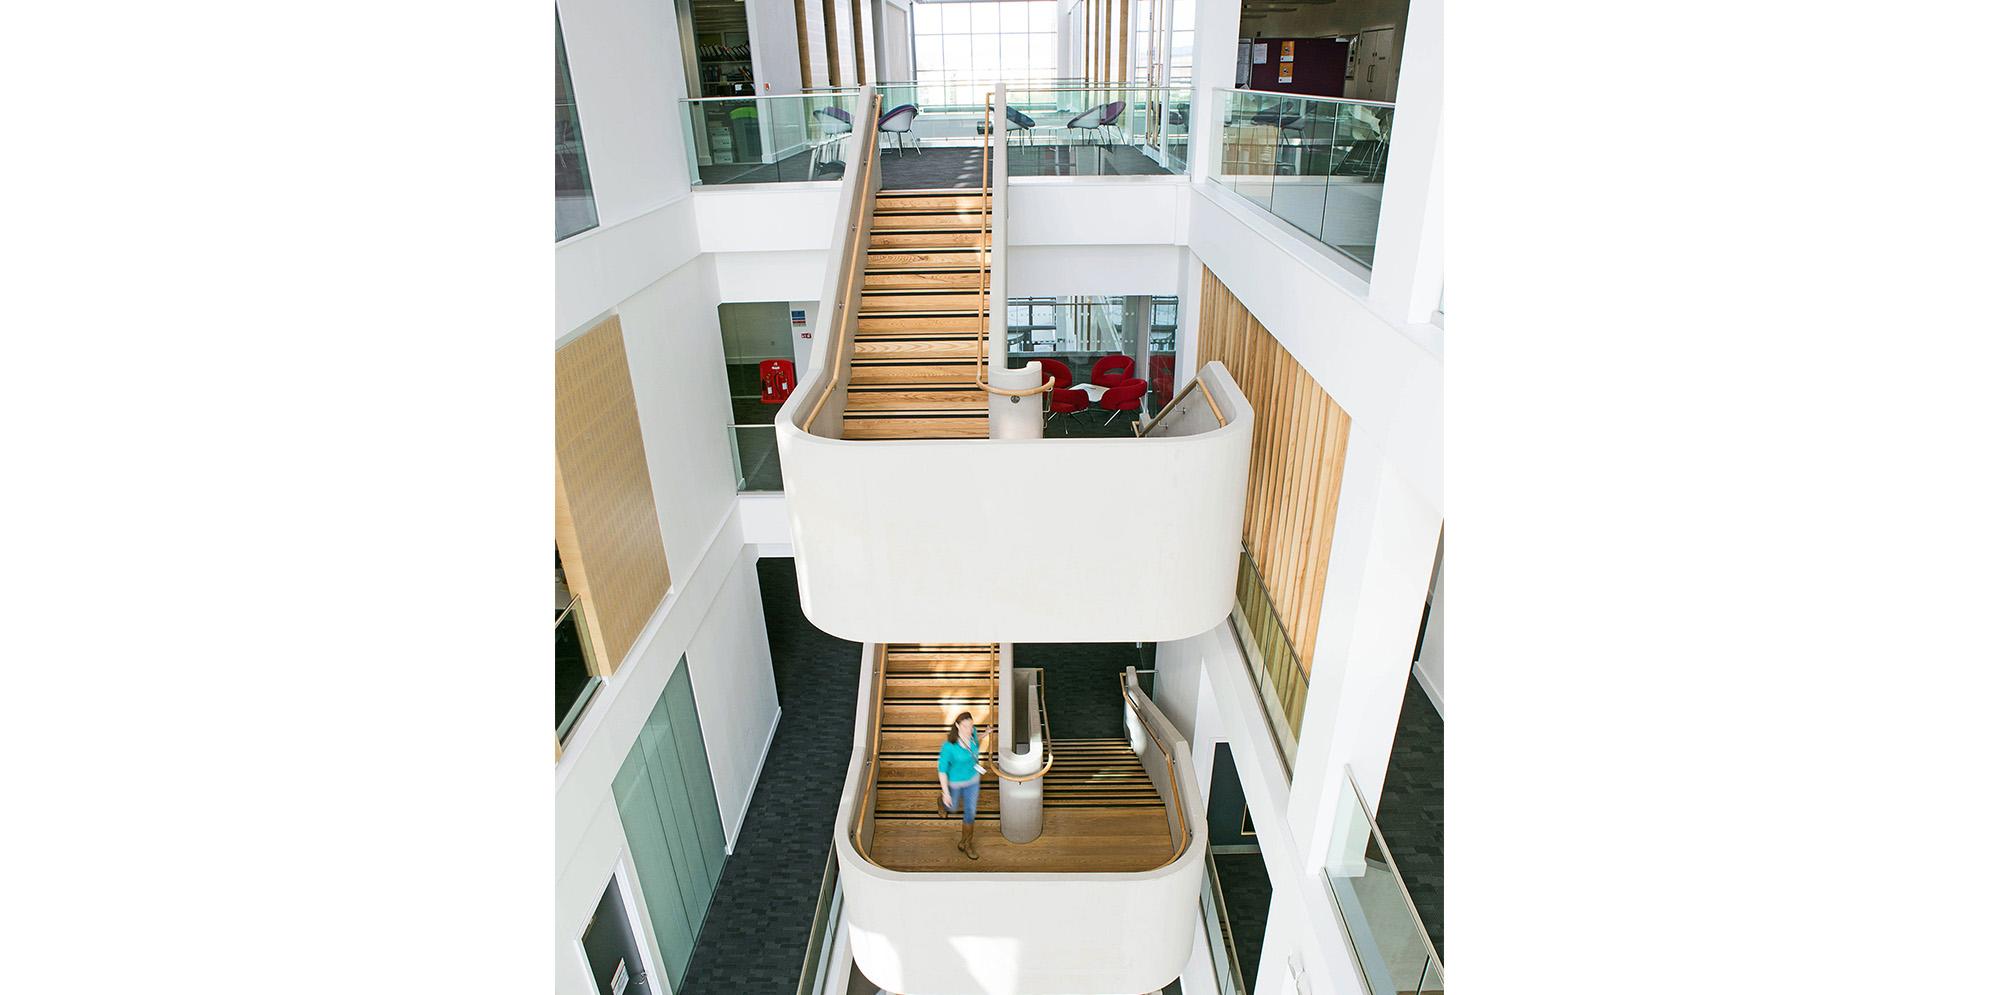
868	770
1173	775
987	296
1048	745
865	180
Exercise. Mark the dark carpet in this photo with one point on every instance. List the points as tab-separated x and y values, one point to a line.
756	931
1083	697
1412	810
1246	898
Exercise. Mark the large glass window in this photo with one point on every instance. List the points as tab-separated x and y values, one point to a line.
984	41
1102	341
576	206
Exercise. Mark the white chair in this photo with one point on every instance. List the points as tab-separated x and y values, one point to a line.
898	122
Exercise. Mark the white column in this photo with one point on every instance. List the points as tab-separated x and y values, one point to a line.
1385	540
1216	25
1409	242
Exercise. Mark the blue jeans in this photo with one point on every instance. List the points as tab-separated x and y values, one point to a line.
965	798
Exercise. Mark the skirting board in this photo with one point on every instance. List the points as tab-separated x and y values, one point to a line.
1430	690
736	827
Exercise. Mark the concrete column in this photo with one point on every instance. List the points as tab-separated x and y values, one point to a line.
1409	243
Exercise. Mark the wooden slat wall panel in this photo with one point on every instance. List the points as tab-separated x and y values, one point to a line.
1296	457
607	528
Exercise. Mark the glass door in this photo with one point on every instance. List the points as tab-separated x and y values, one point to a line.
666	801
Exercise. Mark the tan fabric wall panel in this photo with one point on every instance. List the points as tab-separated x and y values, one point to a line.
1296	457
607	527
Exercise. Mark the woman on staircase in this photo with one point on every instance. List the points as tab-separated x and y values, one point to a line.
958	775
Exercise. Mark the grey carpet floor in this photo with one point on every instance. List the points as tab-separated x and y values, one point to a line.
1083	697
1412	809
755	935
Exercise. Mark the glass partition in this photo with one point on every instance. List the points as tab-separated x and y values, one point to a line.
1316	163
1054	127
1387	938
575	683
755	448
1101	342
1221	941
1274	662
576	205
794	138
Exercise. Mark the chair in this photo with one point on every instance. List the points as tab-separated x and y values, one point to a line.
1112	371
898	122
1066	402
1058	369
1017	121
1160	374
1124	397
834	120
1101	116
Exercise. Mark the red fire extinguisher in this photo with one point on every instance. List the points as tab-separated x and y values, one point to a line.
778	380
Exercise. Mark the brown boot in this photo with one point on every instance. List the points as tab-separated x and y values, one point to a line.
965	842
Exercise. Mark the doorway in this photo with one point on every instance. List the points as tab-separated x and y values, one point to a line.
616	967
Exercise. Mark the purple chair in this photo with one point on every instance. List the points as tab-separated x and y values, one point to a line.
1101	116
834	120
897	122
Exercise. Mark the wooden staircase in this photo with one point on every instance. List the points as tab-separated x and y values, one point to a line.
913	374
1099	809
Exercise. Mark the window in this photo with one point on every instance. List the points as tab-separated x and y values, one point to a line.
984	41
576	206
576	678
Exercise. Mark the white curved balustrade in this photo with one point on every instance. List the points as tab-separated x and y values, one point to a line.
1019	540
1012	933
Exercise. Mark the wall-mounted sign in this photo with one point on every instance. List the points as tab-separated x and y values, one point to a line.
1260	53
1284	72
1284	51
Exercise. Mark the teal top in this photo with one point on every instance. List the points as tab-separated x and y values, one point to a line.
955	761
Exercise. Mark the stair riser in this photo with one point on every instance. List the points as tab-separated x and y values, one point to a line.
921	281
872	303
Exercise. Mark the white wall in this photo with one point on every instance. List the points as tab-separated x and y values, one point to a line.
754	330
625	62
1093	270
729	663
774	45
712	613
893	57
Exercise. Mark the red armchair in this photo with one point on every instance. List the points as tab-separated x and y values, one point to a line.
1112	370
1066	402
1058	369
1124	397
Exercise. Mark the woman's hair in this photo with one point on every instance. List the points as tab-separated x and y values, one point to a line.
951	731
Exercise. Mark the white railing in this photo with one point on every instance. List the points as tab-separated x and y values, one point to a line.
1011	933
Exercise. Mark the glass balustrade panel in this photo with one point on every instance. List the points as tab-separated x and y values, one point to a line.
1316	163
